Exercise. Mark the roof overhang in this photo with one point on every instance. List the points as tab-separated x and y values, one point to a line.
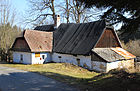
113	54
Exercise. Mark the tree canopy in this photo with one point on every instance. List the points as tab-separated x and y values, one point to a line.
126	12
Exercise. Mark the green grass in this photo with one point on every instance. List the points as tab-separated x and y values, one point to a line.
83	79
63	72
58	68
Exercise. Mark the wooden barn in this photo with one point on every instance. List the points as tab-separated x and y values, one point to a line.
33	48
90	45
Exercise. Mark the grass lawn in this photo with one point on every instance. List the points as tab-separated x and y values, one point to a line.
84	79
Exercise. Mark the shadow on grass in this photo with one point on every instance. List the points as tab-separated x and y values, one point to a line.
28	81
119	81
112	81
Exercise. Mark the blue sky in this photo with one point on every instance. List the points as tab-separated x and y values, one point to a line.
20	5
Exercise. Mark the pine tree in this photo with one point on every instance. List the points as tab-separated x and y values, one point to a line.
126	12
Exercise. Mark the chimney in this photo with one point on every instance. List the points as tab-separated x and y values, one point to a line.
57	21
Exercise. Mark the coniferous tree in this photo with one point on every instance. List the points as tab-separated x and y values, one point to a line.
126	12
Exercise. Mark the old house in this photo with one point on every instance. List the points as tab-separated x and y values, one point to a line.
33	48
90	45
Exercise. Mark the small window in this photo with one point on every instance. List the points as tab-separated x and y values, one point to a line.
59	56
37	54
43	56
21	57
78	61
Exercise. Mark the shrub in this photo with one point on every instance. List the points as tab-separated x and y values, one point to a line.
133	46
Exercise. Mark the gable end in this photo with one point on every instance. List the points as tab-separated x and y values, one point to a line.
108	39
20	44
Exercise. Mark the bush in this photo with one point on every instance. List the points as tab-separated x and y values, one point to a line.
133	46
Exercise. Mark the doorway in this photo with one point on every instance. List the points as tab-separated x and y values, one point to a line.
21	58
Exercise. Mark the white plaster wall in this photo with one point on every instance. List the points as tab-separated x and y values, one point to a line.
27	57
16	57
106	67
40	60
99	66
66	58
128	64
113	65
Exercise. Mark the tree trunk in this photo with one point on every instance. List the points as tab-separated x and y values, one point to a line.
53	9
67	8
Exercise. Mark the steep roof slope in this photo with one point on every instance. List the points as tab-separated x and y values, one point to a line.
20	44
34	41
39	41
77	38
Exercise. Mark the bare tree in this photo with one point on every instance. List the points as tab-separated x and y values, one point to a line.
74	11
6	14
40	10
82	14
71	10
8	32
65	9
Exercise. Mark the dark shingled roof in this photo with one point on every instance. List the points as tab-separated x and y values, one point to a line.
77	38
45	28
